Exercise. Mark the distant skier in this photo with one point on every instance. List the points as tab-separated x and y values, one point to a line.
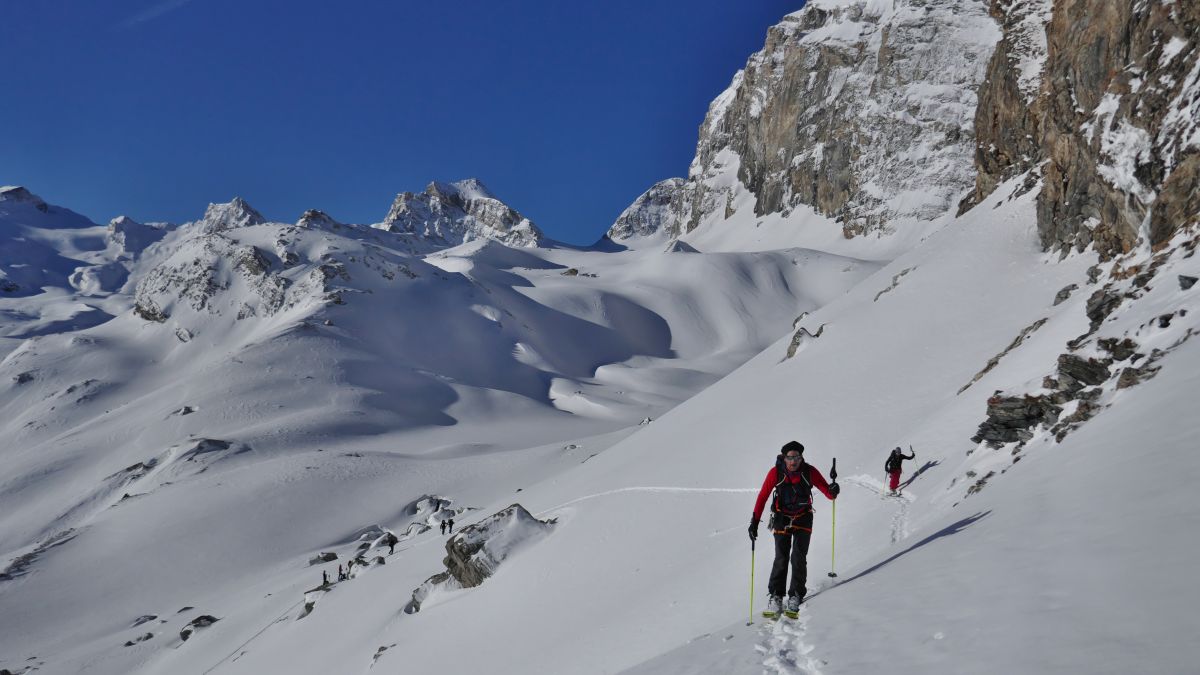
324	578
443	527
341	574
451	526
792	479
391	541
893	469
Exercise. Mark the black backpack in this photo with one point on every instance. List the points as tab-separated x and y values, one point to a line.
791	498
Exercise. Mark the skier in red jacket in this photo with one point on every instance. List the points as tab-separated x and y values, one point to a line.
792	480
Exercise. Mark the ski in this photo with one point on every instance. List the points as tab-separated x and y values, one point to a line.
791	615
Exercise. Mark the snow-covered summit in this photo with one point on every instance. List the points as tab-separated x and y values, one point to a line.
234	214
15	194
448	214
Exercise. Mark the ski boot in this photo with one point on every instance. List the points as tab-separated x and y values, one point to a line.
774	607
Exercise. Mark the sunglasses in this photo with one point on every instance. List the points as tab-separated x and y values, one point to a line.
792	458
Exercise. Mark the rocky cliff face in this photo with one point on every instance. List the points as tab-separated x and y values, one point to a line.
1102	100
452	213
658	209
863	110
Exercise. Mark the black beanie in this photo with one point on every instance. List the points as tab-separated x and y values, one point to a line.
793	445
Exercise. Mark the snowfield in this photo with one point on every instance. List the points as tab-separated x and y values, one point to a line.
210	432
146	473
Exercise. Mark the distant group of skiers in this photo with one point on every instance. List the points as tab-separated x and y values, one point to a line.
792	480
391	540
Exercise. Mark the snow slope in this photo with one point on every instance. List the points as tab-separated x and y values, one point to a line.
649	520
263	375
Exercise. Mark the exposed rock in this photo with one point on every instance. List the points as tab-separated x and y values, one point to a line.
322	557
313	218
1100	305
1005	124
1120	349
862	110
232	215
1133	376
1186	282
659	209
1075	373
23	378
143	638
1111	116
1011	418
474	553
1064	294
15	194
453	213
895	282
799	337
145	618
202	621
196	273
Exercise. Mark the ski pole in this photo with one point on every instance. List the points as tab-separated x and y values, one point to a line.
751	621
833	525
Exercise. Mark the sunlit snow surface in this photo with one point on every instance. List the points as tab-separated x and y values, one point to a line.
249	446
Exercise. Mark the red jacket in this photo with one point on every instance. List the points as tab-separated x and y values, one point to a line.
814	477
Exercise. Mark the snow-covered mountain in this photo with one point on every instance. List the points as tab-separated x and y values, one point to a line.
454	213
862	111
263	403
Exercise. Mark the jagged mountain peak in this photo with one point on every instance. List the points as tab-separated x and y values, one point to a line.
449	214
469	188
233	214
16	194
315	218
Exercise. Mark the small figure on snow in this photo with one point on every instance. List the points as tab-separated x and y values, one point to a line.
391	541
450	526
341	574
892	467
443	527
792	480
324	578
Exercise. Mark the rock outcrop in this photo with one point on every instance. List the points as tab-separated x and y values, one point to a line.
473	554
1103	100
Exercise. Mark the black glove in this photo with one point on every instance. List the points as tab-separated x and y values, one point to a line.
835	489
754	529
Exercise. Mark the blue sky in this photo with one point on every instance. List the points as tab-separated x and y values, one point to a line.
567	110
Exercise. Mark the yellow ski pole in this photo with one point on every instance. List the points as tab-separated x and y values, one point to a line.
751	621
833	525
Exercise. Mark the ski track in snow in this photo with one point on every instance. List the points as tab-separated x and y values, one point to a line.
783	647
900	529
647	489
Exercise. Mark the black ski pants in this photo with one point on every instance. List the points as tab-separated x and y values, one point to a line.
791	546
